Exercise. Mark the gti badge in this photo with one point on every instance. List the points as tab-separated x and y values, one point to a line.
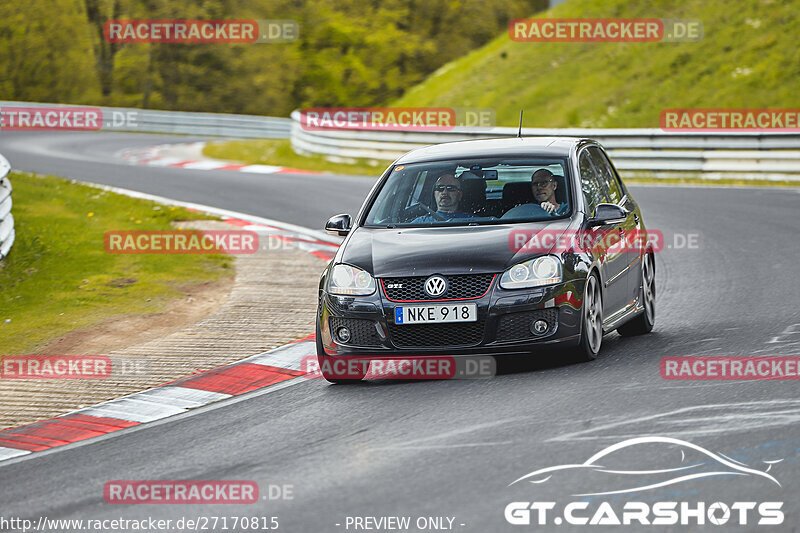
435	286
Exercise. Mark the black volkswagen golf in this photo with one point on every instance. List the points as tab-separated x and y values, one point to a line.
495	247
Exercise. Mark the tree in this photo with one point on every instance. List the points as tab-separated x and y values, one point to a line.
104	51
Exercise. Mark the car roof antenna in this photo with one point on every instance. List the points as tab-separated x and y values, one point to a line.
519	133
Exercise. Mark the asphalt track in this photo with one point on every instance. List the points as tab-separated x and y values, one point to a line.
451	448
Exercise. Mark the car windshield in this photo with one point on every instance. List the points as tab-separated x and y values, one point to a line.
476	192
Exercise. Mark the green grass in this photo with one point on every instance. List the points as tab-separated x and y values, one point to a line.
279	152
59	278
748	58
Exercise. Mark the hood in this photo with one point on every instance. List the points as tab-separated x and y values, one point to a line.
443	250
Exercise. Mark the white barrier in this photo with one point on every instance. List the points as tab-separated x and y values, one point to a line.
748	155
6	218
182	122
742	154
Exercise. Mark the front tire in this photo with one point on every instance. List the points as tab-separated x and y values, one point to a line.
591	321
644	322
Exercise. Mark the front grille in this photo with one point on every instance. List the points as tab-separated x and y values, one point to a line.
458	286
516	326
437	335
362	332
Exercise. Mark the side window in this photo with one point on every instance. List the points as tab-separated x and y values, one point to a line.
593	191
606	173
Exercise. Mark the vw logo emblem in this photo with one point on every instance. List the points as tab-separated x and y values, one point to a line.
435	286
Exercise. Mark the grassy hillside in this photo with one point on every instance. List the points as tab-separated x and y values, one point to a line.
747	58
58	276
347	52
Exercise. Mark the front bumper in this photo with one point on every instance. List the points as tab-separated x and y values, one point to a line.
503	325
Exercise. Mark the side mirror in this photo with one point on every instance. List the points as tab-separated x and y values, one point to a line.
338	225
606	214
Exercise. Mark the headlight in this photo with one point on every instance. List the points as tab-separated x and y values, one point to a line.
544	270
347	280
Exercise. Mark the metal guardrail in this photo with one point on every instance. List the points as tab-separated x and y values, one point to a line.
743	154
182	122
7	233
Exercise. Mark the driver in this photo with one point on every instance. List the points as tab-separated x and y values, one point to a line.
447	193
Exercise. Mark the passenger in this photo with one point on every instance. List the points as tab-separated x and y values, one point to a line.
543	187
447	193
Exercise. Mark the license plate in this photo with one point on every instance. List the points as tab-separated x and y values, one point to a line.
435	314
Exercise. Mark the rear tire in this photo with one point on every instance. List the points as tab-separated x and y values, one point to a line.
644	322
326	362
591	321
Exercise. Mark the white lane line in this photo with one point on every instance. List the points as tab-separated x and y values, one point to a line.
221	212
311	247
184	414
154	405
298	239
8	453
205	165
259	169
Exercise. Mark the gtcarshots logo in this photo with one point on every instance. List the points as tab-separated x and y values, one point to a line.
615	470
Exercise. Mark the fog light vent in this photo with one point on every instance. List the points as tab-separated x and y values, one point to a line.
343	335
539	327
